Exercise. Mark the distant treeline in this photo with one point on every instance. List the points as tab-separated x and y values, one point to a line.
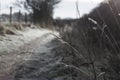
63	22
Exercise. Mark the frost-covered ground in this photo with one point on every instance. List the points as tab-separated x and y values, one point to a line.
13	42
28	45
33	57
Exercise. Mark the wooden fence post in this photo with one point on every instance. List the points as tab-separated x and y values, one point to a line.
10	15
0	14
26	19
19	17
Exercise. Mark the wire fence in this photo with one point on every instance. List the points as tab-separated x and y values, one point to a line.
15	17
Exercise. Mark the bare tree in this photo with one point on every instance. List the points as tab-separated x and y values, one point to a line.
42	9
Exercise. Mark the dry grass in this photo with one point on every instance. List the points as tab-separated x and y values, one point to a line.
7	28
104	61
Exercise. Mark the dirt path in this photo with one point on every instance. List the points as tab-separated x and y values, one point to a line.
27	52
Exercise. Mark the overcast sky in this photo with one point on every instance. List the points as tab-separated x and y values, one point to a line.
65	9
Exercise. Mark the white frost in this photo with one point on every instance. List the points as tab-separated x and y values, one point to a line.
13	42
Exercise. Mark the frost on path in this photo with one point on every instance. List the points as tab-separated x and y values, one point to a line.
12	42
19	48
43	63
36	59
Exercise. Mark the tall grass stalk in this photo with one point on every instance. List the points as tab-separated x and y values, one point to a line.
90	19
114	15
77	53
87	48
107	27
